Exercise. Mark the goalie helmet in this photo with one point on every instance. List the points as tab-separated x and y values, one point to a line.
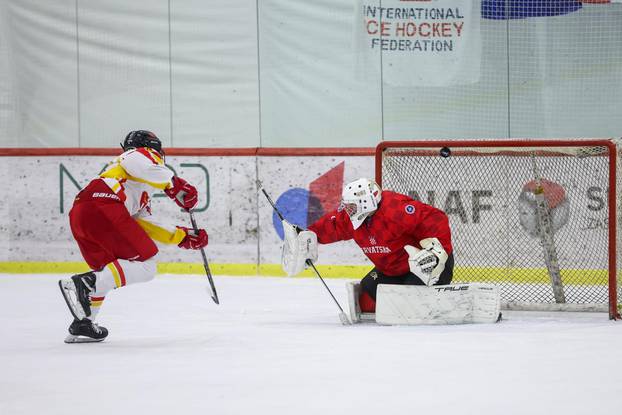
360	199
142	138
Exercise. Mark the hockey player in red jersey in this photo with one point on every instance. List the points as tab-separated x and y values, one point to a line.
409	242
112	223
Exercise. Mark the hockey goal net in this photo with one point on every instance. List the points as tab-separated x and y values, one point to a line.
537	218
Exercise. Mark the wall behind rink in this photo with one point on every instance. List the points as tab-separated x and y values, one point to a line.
34	227
299	73
245	234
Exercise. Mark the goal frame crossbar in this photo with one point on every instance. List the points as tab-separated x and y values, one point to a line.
524	144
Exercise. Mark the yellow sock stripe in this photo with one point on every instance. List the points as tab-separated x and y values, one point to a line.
115	274
96	303
461	274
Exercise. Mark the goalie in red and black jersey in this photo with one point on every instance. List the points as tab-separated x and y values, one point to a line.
409	242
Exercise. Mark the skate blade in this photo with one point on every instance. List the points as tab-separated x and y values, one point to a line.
70	339
67	288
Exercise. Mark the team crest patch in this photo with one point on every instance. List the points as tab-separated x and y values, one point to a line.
410	209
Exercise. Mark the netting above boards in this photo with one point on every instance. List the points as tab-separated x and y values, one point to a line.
533	217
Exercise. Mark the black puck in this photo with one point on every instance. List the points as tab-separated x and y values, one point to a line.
445	152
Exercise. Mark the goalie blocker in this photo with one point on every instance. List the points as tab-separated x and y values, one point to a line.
299	246
421	305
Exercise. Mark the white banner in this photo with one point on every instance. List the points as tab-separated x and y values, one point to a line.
422	42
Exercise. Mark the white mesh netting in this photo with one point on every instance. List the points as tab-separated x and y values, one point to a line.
498	229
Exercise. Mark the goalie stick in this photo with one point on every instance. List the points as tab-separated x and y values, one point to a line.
213	292
545	227
342	315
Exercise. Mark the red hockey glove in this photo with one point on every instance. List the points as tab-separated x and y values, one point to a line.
183	193
193	240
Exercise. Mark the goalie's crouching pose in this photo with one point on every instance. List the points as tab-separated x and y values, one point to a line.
409	242
112	223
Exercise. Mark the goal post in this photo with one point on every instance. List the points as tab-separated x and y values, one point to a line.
539	218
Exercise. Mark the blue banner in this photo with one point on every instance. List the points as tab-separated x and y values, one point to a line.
520	9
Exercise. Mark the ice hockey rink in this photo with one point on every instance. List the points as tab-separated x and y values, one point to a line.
276	346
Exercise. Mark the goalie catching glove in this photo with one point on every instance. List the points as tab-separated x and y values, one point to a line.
427	263
299	246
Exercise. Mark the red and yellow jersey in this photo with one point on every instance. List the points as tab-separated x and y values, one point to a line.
132	178
399	221
135	175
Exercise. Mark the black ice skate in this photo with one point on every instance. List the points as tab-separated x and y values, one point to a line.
76	292
85	331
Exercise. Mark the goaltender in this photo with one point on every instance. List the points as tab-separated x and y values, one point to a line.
409	242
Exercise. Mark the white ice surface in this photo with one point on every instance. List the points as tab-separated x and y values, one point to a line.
276	346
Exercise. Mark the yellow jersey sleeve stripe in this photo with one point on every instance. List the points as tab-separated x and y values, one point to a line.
160	234
117	172
160	186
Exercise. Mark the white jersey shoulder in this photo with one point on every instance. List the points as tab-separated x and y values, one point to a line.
135	175
146	165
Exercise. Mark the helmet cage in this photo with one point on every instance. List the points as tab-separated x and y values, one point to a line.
360	199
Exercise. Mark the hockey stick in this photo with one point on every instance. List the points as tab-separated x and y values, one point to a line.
545	227
342	315
213	293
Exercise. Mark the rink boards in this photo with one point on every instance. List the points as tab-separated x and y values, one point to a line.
244	235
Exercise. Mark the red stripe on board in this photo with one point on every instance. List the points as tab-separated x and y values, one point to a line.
199	152
121	273
313	151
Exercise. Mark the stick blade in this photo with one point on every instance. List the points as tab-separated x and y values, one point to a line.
212	292
344	319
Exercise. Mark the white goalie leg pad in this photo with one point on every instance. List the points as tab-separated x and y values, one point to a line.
353	290
439	304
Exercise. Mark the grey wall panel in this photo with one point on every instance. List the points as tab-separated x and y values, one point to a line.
214	74
292	74
310	92
566	74
40	74
124	70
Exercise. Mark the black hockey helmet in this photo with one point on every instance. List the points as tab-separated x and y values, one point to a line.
142	138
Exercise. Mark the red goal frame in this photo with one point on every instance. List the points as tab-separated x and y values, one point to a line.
614	314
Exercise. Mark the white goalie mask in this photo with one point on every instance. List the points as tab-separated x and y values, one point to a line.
359	199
